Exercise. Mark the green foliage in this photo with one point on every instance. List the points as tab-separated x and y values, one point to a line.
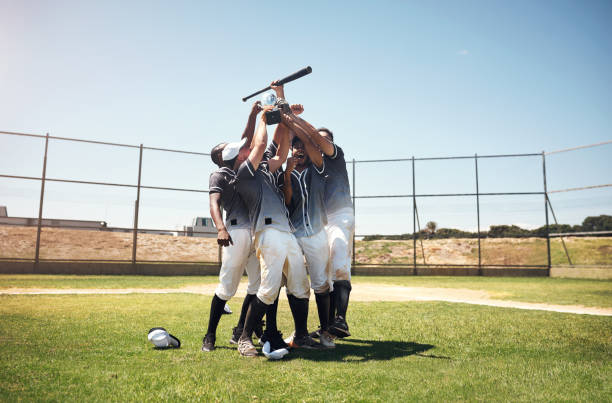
599	223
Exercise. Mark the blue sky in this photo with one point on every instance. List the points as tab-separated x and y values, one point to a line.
392	79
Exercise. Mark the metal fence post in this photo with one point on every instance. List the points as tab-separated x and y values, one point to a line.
414	270
354	216
546	210
478	215
42	197
136	209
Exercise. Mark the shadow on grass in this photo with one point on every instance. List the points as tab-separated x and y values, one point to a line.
364	350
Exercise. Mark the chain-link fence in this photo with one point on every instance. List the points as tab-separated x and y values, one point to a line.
401	194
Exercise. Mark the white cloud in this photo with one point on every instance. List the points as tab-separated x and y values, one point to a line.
463	52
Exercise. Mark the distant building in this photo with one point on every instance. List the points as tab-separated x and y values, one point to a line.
49	222
203	227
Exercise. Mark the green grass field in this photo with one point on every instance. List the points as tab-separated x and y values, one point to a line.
93	347
539	290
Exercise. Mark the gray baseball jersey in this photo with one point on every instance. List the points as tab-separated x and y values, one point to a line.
307	205
236	214
258	189
337	188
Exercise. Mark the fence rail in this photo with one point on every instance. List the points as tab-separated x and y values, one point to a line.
135	229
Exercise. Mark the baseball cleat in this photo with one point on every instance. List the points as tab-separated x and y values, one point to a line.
339	328
316	334
246	347
236	333
327	340
208	343
304	341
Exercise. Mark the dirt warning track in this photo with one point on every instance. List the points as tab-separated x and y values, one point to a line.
362	292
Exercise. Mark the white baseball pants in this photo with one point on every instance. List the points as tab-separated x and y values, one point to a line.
316	252
340	229
279	253
234	259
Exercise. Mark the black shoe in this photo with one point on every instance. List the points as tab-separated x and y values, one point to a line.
339	328
258	329
208	344
304	341
316	334
236	332
275	338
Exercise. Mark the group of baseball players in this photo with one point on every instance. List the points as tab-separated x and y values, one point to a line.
286	226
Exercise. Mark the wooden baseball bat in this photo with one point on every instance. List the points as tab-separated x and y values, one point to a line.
289	78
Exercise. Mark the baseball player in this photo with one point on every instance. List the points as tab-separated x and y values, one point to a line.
340	225
274	241
234	234
303	185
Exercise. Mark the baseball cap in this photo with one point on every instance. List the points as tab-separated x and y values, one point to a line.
231	150
162	339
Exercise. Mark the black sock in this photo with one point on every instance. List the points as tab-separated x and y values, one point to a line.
256	311
323	303
216	310
245	308
299	310
271	316
332	305
343	290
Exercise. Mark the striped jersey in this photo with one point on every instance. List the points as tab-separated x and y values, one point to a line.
223	181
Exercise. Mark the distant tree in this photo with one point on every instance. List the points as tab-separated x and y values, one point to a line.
599	223
507	231
432	226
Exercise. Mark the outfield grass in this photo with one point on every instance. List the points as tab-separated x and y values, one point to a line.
82	348
525	289
543	290
102	282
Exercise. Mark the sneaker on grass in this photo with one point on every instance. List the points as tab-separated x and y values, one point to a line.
208	343
327	340
316	334
339	328
303	341
246	348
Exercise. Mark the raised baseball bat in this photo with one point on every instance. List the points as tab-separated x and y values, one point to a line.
289	78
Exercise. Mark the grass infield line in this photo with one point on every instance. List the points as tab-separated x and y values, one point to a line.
363	292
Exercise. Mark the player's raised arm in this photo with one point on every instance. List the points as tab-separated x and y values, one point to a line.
290	119
260	140
287	188
249	130
281	136
324	145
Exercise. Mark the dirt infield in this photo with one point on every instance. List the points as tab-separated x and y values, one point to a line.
364	292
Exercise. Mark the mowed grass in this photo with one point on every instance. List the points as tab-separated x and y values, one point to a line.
101	282
540	290
93	347
525	289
